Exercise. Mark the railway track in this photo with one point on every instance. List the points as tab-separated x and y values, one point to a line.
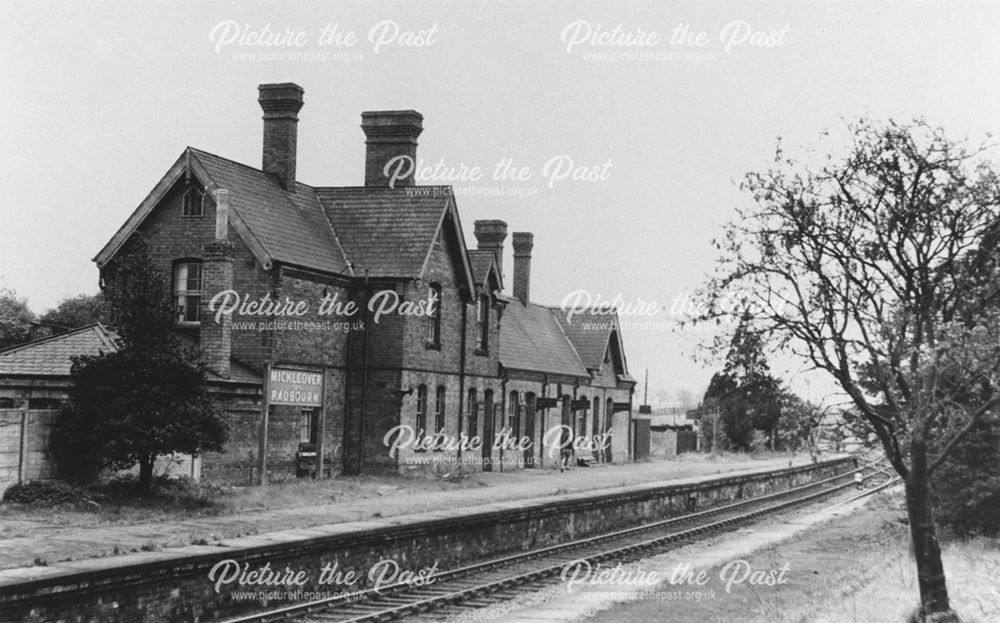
477	585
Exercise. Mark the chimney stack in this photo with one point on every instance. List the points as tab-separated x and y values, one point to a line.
281	104
490	235
216	338
523	242
391	139
221	214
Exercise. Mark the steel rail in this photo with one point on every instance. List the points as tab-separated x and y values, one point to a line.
392	601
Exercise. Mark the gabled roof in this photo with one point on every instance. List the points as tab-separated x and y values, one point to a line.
50	356
390	232
591	334
289	225
277	225
484	267
532	340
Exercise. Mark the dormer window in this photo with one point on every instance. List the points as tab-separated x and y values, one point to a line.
194	202
187	291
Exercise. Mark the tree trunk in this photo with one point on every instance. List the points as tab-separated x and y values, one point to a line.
145	475
926	551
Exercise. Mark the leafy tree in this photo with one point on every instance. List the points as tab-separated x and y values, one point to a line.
747	397
15	319
76	311
800	423
880	268
147	399
967	486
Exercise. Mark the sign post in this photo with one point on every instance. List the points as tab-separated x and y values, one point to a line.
321	432
262	447
296	388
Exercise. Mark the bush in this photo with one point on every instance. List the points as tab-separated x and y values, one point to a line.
45	494
967	485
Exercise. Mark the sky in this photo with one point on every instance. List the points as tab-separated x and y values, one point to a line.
629	124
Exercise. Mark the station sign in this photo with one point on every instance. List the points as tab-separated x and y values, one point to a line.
298	388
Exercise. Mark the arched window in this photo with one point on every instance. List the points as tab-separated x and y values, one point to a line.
483	323
472	410
434	316
187	290
597	416
489	431
514	414
421	422
439	409
581	426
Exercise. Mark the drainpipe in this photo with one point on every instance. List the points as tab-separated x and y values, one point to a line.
461	379
364	380
545	422
345	432
503	414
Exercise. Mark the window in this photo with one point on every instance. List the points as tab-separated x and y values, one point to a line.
483	322
187	290
434	317
473	414
514	414
421	411
307	426
194	202
439	409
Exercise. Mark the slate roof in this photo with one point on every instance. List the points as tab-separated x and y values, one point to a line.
238	373
533	340
289	225
50	356
387	231
589	332
481	261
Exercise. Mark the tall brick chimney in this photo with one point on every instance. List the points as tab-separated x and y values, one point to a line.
490	235
522	242
216	338
390	134
281	104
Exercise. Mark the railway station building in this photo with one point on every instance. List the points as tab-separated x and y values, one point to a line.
358	313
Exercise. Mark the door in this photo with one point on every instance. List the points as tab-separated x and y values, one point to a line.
488	430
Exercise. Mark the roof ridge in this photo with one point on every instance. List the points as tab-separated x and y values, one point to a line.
568	341
333	230
245	166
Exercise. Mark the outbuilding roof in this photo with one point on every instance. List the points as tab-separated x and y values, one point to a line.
51	356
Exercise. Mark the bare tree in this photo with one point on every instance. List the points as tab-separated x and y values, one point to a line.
880	268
